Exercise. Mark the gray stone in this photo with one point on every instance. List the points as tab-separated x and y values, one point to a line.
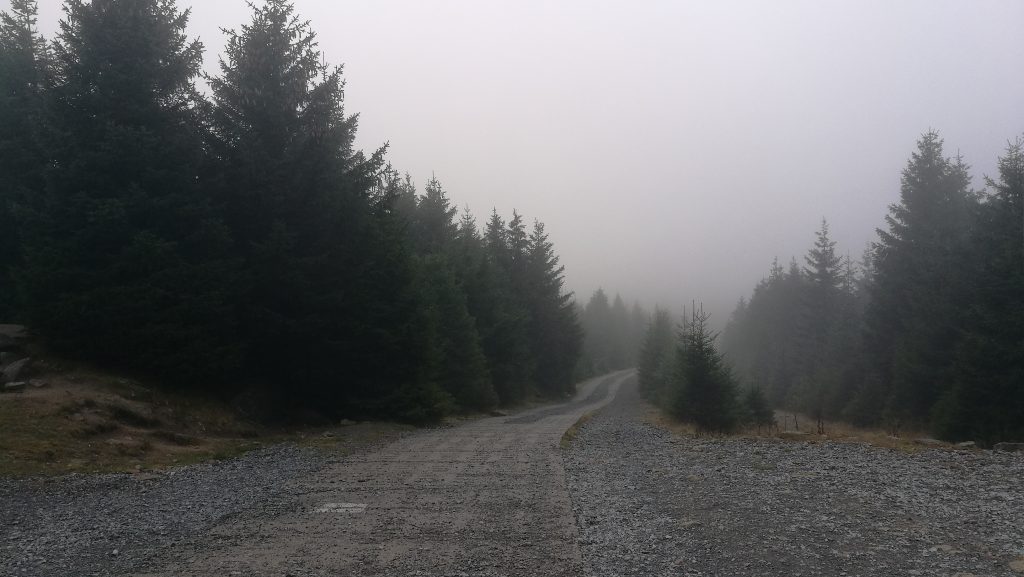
1009	447
12	371
966	445
14	387
929	442
12	337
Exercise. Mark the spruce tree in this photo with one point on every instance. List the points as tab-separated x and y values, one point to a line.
458	365
555	334
23	80
327	297
912	318
704	386
502	318
756	410
986	400
123	256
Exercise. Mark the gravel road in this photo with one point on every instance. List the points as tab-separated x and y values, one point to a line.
485	498
649	502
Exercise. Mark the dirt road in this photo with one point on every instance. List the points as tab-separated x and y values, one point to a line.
486	498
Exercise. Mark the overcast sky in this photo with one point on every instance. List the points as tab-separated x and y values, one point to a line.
672	148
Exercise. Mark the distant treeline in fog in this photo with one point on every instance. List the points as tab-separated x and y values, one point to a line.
927	329
237	241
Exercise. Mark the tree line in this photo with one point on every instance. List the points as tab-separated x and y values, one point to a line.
926	330
612	332
237	239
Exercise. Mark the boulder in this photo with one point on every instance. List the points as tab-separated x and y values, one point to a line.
14	370
929	442
967	445
1009	447
12	337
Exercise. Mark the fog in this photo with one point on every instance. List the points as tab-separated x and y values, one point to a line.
672	148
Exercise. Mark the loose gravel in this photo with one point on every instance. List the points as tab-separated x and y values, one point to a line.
650	502
84	525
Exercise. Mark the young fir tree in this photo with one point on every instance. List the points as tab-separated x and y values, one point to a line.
756	410
122	259
23	79
705	390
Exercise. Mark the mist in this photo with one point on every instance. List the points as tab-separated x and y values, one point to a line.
673	148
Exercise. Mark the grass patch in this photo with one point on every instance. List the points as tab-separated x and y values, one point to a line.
832	432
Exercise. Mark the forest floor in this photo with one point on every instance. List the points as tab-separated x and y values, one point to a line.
653	501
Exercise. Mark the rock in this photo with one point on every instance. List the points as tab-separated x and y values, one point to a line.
967	445
12	337
14	387
497	413
1018	565
929	442
38	384
1009	447
13	371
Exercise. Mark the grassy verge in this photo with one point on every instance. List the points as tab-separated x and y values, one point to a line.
832	431
84	421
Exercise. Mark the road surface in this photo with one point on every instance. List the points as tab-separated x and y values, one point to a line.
485	498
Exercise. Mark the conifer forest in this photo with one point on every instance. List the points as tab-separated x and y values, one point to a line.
527	288
221	231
